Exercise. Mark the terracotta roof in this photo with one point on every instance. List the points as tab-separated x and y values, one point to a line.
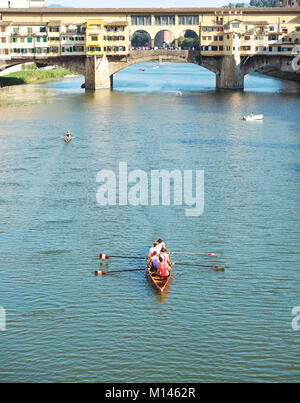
5	23
54	23
256	22
116	23
205	10
29	24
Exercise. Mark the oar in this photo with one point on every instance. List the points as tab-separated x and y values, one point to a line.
103	272
221	268
198	254
102	256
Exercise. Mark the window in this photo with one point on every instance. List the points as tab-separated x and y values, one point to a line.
215	38
94	38
22	40
3	29
188	20
29	40
38	39
235	25
78	48
221	48
16	30
54	29
247	38
14	40
273	37
3	40
165	20
221	38
141	20
94	49
284	30
42	29
228	48
29	30
204	38
45	39
228	36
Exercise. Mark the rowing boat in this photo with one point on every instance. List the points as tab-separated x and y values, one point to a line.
160	283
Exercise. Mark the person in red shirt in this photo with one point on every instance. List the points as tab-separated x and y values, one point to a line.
163	268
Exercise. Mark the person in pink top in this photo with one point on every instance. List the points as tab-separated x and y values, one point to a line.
163	268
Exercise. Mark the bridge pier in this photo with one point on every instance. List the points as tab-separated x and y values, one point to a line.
97	73
230	75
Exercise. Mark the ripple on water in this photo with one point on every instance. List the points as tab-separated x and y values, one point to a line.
65	324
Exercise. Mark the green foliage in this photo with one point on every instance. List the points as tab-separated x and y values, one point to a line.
264	3
187	42
141	38
236	5
33	76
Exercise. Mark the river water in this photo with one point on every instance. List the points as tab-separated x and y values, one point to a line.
65	324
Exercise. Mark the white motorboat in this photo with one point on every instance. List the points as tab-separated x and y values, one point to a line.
253	117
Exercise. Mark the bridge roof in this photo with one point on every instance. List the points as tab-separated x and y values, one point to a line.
205	10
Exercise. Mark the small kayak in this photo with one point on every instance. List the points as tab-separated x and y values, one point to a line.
253	117
68	140
141	69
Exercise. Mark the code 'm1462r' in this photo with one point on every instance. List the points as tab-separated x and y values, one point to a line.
172	392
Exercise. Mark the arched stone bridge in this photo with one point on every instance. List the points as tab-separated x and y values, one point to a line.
229	70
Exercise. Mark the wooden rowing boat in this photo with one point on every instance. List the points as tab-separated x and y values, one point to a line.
160	283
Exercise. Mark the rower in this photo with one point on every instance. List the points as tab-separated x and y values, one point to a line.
68	137
154	261
160	245
154	248
163	268
166	256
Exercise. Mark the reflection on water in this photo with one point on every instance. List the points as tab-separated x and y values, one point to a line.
65	324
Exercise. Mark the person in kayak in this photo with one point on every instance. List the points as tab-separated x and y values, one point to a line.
68	137
163	268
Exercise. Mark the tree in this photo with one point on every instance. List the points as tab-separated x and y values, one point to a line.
140	38
189	40
264	3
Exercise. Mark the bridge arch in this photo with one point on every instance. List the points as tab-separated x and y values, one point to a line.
164	38
188	39
141	38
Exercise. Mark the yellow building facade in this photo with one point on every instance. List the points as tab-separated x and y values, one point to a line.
225	31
